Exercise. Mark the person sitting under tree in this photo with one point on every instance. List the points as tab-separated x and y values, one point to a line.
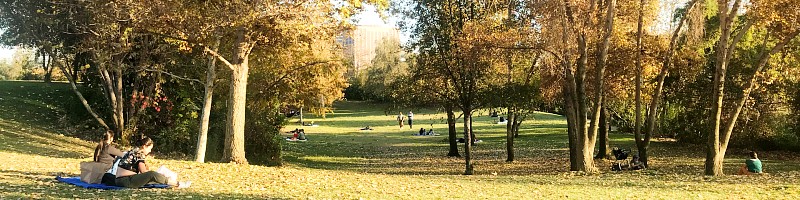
636	164
751	166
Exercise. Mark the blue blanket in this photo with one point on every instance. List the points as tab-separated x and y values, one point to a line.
77	181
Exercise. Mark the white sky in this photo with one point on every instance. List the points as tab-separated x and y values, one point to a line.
5	53
371	17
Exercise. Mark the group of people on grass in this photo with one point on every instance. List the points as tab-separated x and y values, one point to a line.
127	169
297	134
401	119
422	132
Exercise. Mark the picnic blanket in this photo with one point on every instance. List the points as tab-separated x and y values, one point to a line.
77	181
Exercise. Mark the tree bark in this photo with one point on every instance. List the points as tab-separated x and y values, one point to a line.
46	65
202	136
468	141
603	151
568	90
510	135
120	105
637	126
234	133
600	65
517	123
452	133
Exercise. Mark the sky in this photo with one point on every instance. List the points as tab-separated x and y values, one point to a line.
370	17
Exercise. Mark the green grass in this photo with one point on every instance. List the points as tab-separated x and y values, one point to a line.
342	162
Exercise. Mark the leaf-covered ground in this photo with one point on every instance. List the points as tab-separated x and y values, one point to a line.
342	162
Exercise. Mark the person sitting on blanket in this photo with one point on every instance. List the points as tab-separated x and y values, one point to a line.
421	131
105	152
133	172
301	134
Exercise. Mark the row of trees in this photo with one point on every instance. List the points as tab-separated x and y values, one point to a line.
589	57
26	64
139	55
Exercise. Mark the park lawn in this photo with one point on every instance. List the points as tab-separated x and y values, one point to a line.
341	162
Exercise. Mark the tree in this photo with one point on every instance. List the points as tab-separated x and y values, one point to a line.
444	38
643	138
576	20
33	23
386	67
252	25
778	16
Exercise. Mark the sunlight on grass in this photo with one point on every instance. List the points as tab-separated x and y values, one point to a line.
342	162
350	160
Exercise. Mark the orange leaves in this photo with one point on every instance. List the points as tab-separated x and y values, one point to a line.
780	16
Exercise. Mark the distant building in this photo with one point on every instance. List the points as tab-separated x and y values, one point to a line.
359	44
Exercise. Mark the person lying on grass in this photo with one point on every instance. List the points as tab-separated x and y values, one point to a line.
131	171
751	166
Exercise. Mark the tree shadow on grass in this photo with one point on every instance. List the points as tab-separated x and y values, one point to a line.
37	142
424	156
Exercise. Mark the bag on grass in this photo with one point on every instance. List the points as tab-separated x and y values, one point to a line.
92	172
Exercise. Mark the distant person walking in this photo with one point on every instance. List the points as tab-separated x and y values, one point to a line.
400	119
410	120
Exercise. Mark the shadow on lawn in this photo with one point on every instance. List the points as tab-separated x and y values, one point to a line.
37	142
417	156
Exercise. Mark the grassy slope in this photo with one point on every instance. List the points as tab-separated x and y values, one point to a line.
341	162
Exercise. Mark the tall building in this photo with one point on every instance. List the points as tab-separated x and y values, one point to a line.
359	44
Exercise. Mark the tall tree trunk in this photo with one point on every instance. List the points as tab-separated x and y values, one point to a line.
202	136
110	87
600	65
452	133
468	140
234	132
82	99
510	135
603	151
715	152
652	114
637	126
48	70
301	115
120	105
517	123
568	92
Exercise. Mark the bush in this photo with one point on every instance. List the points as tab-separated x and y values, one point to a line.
262	131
